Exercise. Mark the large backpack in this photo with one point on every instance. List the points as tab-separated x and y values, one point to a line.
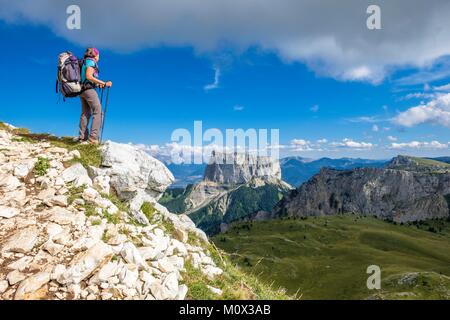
68	79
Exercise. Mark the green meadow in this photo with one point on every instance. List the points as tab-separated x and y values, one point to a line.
327	257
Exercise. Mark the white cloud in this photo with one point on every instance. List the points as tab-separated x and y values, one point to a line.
445	88
330	37
418	95
419	145
375	128
436	111
301	145
392	138
322	140
367	119
314	108
215	84
361	73
350	143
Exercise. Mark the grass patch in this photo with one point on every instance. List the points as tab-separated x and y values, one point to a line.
90	155
112	218
327	257
105	237
235	284
120	204
5	127
75	193
148	210
23	139
89	210
41	167
96	222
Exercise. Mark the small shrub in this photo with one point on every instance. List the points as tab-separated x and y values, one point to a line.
112	218
148	210
96	222
75	193
41	166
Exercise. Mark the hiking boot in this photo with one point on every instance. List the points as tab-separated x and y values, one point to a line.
94	142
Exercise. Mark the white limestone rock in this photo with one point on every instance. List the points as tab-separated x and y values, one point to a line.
132	169
8	212
22	241
32	284
76	174
85	263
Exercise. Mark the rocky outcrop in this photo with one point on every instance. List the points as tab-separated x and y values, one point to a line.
132	169
241	168
62	236
398	195
132	174
416	164
234	187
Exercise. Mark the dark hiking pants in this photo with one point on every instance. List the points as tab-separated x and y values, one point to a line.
90	107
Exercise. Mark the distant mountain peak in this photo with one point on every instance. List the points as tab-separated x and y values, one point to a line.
410	163
240	168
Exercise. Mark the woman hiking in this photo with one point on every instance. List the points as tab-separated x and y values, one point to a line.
90	103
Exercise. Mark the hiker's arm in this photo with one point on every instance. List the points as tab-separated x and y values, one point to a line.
90	76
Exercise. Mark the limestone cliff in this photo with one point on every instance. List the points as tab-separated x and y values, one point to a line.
408	194
240	168
234	187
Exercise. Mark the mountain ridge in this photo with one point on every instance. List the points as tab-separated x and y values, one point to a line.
415	192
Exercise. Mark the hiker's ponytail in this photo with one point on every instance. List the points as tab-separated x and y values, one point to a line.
91	53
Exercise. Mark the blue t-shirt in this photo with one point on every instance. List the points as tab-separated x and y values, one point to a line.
87	63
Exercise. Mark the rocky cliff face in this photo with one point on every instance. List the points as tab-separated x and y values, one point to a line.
234	187
65	235
399	195
240	168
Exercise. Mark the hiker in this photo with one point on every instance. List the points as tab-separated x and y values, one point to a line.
90	103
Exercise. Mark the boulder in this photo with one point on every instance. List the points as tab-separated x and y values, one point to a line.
14	277
63	216
129	275
101	183
20	264
85	263
171	283
22	241
132	169
8	212
9	183
28	288
182	291
132	255
77	174
23	169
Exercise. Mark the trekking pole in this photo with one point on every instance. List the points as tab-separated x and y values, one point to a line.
104	114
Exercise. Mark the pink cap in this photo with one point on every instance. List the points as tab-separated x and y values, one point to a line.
96	52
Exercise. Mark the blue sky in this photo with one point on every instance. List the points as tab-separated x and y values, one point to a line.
159	88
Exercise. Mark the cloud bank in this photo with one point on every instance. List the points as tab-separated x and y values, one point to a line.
436	111
330	37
